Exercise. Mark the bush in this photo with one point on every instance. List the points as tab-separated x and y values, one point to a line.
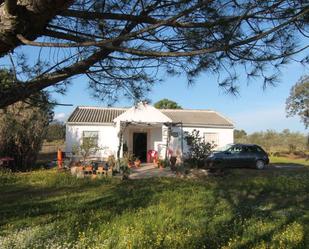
198	148
22	130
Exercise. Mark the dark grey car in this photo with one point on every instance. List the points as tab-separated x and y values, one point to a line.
238	155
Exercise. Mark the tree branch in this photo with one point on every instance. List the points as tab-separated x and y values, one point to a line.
30	19
10	6
87	15
109	41
226	47
58	35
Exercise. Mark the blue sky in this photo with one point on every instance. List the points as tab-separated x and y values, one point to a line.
253	110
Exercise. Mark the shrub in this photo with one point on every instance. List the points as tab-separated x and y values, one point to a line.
23	127
198	148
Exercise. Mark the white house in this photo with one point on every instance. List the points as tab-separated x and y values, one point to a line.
143	127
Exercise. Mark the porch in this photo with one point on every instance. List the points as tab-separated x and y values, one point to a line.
140	138
150	170
143	129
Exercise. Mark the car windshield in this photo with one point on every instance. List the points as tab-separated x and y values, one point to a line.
224	148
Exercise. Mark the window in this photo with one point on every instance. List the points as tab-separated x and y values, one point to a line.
211	138
92	136
235	149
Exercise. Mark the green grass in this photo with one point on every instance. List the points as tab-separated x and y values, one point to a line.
289	161
243	209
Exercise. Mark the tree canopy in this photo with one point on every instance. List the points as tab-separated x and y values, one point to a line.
273	141
23	126
240	135
167	104
120	45
298	101
55	131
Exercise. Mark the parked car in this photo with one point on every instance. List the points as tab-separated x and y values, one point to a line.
238	155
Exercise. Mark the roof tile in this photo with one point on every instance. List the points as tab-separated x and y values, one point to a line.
188	117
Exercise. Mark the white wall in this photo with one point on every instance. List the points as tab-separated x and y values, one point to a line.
107	141
226	136
156	137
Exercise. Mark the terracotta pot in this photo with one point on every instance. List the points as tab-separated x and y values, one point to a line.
137	163
159	164
88	168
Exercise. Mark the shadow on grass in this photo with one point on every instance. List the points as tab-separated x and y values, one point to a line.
261	208
235	205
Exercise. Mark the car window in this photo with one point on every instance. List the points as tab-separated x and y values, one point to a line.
250	149
224	148
257	148
246	149
235	149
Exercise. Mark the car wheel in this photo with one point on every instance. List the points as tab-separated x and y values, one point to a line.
260	164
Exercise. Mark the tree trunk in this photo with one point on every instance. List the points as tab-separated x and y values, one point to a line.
26	17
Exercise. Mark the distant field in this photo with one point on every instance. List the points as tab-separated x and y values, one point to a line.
245	208
289	160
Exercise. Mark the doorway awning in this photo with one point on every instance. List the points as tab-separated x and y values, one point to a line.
143	113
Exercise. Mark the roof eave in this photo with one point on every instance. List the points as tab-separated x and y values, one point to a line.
88	123
209	125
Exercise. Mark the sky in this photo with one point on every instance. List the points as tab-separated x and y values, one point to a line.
254	109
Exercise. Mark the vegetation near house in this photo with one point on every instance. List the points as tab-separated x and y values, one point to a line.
239	135
55	131
198	148
23	126
298	101
272	141
167	104
124	47
87	147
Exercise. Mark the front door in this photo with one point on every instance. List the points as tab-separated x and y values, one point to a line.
140	145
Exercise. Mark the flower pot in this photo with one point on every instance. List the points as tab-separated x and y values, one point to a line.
159	164
137	163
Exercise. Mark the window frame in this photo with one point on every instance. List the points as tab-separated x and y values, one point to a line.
216	142
96	137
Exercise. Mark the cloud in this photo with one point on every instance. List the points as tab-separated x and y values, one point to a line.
60	116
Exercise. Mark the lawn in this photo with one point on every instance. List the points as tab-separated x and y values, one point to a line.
242	209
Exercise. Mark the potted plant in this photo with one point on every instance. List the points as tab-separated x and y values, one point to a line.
111	161
160	163
165	163
124	169
173	160
137	162
129	159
